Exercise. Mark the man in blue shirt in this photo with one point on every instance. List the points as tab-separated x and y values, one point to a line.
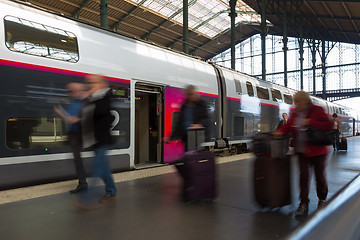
76	93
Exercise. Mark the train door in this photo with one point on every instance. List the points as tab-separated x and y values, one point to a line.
148	125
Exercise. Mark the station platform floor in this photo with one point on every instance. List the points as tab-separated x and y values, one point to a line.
148	206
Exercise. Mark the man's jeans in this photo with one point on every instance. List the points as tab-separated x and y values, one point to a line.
100	169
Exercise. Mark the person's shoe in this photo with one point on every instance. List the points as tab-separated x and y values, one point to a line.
107	197
79	188
302	210
321	203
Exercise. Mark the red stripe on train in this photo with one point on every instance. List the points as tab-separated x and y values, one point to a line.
54	70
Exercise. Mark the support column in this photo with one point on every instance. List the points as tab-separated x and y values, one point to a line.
242	57
323	68
313	54
104	14
341	70
186	26
232	16
357	66
285	40
263	39
301	52
252	56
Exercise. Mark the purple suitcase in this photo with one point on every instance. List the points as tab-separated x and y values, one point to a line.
198	172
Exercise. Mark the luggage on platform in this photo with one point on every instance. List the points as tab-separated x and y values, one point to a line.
264	143
271	173
197	169
199	175
195	138
342	144
272	185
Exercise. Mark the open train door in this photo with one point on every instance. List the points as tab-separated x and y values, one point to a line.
148	125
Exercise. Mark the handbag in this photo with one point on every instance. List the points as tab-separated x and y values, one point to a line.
320	137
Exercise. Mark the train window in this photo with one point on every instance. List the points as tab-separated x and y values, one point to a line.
250	89
40	132
288	98
41	40
262	93
276	95
237	86
175	120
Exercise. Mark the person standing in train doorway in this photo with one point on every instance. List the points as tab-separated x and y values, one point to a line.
194	114
96	120
76	92
283	122
304	115
337	129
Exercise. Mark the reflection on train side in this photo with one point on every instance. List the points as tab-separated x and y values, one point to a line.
35	132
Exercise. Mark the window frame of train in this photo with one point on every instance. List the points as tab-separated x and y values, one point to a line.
288	98
249	86
276	95
263	92
40	40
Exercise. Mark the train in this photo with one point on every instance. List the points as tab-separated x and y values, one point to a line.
42	51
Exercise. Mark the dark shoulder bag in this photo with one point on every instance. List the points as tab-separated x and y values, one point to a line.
320	137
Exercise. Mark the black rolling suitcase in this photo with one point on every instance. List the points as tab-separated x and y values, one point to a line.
198	170
271	176
343	144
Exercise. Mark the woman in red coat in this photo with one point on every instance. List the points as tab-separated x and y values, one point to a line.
307	114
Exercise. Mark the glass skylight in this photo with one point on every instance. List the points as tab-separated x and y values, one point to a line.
207	17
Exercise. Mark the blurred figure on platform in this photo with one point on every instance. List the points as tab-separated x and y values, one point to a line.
304	115
96	120
337	129
71	115
193	114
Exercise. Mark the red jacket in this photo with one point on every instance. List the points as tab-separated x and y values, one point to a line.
319	120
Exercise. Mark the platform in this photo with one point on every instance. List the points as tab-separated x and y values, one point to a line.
148	206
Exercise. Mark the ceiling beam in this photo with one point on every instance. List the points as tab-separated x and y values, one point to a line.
116	25
76	13
147	35
348	13
329	11
210	40
321	21
226	48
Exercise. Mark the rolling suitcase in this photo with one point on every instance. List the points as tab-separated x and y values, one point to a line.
271	176
342	144
197	169
272	181
199	176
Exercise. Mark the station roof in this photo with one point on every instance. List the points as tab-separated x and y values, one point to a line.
160	21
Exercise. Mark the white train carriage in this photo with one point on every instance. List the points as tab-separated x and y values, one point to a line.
42	51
